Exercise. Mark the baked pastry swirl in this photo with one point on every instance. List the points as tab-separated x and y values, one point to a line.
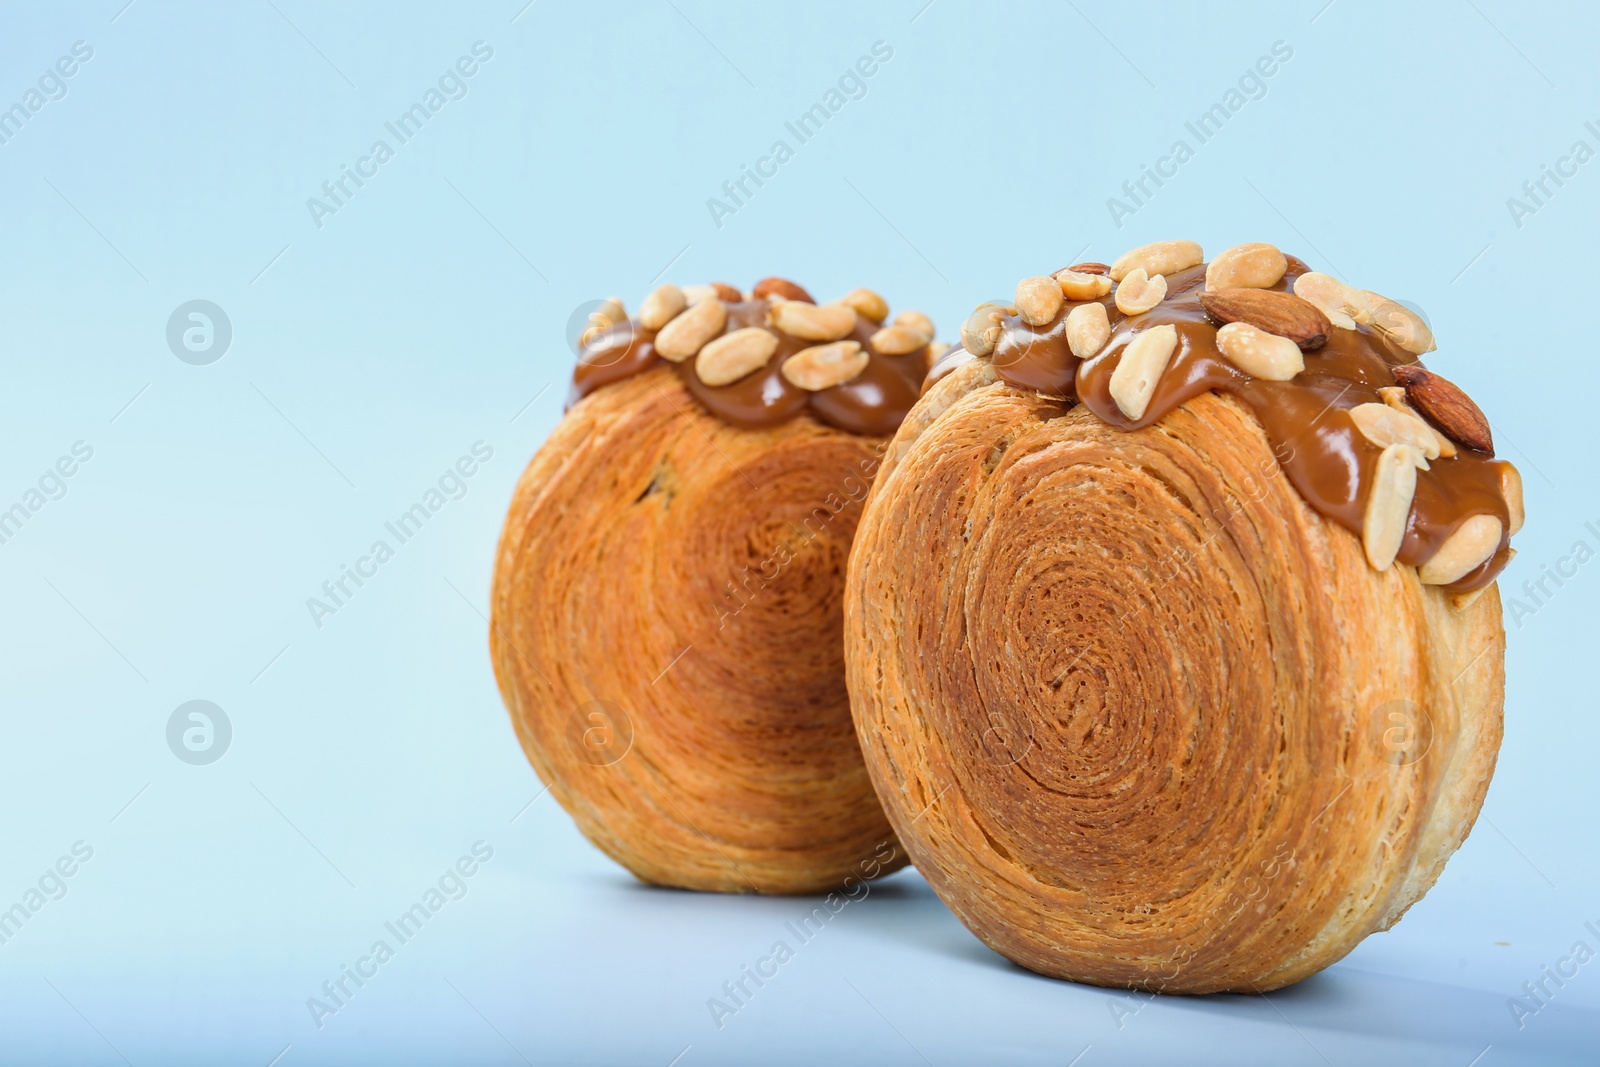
667	600
1170	659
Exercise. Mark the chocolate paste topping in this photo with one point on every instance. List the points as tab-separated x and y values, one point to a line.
1306	419
871	404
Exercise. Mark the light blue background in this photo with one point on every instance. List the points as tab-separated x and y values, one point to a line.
429	314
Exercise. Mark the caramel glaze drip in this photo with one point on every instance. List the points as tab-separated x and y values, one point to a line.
871	404
1306	419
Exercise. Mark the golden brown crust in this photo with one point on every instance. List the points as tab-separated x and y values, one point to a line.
1128	700
630	572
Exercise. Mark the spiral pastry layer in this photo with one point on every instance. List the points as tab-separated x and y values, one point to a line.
1140	715
666	632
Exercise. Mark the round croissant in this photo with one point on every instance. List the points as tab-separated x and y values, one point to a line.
666	633
1140	715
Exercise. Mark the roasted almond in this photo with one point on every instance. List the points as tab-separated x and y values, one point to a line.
1259	353
1162	257
1139	370
734	355
727	292
1082	285
661	307
1090	268
1038	300
1463	551
897	341
1383	524
1138	292
1250	266
781	289
688	333
1443	403
1088	329
1283	314
809	322
866	303
825	366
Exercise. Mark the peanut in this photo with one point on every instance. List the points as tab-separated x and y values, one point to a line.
1143	361
688	333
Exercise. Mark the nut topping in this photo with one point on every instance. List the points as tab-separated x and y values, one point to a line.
780	288
915	320
1399	324
661	307
1138	293
696	294
610	313
1139	370
810	322
1394	483
1261	354
825	366
1090	267
727	293
1083	285
1395	397
982	330
1511	489
1283	314
1463	552
866	303
1088	329
1443	403
1038	300
1162	257
897	341
734	355
1343	305
688	333
1248	266
1385	425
